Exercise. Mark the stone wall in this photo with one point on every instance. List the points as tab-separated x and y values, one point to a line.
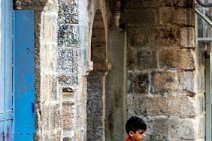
62	62
163	69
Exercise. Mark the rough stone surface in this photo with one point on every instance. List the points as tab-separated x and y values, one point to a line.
142	59
186	80
68	80
141	37
38	4
187	37
95	127
138	83
200	103
161	106
176	3
163	82
143	16
167	36
68	12
52	135
177	58
52	118
68	115
160	63
98	52
151	37
98	35
68	35
68	61
172	129
140	4
179	16
201	127
51	88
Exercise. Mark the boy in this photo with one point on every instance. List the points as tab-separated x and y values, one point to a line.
135	128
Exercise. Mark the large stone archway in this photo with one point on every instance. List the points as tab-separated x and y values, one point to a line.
96	82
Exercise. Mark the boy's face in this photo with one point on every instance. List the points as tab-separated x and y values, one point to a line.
138	135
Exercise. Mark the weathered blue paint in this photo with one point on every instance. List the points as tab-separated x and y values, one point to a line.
24	75
6	71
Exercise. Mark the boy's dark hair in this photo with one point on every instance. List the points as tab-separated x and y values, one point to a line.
135	123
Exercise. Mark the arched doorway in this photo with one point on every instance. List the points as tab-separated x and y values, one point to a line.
96	82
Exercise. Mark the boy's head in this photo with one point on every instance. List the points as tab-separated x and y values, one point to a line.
135	128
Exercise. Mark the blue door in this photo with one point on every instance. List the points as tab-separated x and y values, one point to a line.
6	72
24	74
16	73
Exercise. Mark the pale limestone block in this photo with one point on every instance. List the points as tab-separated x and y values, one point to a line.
177	58
187	37
182	106
172	128
68	115
163	82
186	80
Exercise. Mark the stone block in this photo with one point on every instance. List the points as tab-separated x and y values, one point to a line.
187	37
52	117
201	103
68	61
81	135
52	135
98	24
50	88
138	82
186	80
49	29
183	106
68	116
68	12
176	3
147	16
201	127
69	2
177	58
36	5
172	129
179	16
167	36
95	130
98	35
200	80
68	80
49	57
67	139
81	115
98	54
141	37
164	82
68	35
138	4
141	59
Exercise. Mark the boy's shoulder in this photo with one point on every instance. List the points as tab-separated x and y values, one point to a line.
128	139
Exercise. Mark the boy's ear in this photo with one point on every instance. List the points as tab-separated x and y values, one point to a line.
131	133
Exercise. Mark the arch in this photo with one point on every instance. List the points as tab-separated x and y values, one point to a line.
98	44
96	81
